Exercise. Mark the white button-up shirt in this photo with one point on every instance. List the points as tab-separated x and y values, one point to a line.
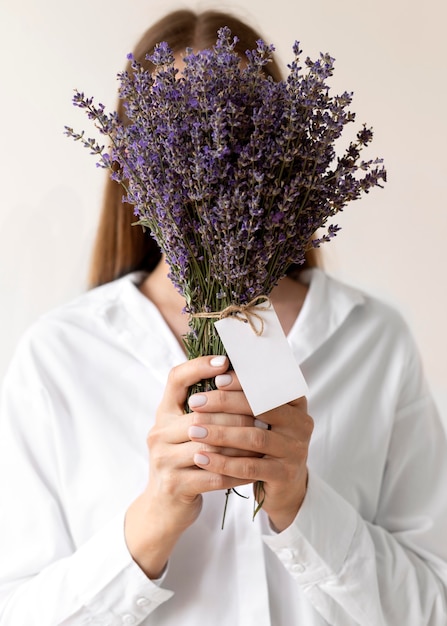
368	547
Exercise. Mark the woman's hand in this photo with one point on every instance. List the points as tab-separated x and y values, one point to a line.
280	460
172	499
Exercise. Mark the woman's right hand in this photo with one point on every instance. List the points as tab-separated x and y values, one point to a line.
172	499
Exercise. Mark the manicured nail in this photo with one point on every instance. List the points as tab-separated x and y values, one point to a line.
197	400
223	380
197	432
218	361
260	424
201	459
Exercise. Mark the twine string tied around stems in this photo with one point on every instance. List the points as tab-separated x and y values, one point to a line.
247	313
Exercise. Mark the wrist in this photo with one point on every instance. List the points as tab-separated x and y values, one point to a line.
281	520
151	534
282	516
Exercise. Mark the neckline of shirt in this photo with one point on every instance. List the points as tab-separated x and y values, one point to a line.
325	307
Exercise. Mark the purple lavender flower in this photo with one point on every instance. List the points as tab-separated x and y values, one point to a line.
232	172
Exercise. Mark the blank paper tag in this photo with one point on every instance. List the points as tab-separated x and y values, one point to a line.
264	364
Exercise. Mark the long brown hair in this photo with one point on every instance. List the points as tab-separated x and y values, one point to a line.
120	247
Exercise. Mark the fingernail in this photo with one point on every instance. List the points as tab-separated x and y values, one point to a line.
201	459
223	380
197	400
197	432
218	361
260	424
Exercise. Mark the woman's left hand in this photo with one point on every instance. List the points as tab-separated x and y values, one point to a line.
278	455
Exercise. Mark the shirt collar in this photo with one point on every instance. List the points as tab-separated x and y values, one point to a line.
142	329
327	305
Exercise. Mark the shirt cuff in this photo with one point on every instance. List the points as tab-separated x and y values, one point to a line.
117	587
316	544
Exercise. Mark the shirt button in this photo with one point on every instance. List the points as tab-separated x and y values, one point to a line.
142	601
298	568
128	620
287	555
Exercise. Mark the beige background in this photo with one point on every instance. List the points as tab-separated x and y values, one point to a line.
391	54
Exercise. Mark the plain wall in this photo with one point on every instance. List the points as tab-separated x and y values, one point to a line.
391	54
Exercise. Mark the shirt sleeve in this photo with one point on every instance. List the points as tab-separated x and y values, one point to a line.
45	580
392	570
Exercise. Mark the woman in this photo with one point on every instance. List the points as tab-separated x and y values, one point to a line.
101	527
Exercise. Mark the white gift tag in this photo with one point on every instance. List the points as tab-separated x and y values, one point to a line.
264	364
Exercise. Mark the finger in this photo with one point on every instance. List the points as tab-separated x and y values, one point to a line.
180	456
301	403
168	443
187	374
288	416
220	401
228	381
256	441
198	432
260	424
170	429
198	481
247	469
222	419
249	439
166	457
191	479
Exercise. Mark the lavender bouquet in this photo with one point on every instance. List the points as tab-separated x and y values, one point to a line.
232	172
